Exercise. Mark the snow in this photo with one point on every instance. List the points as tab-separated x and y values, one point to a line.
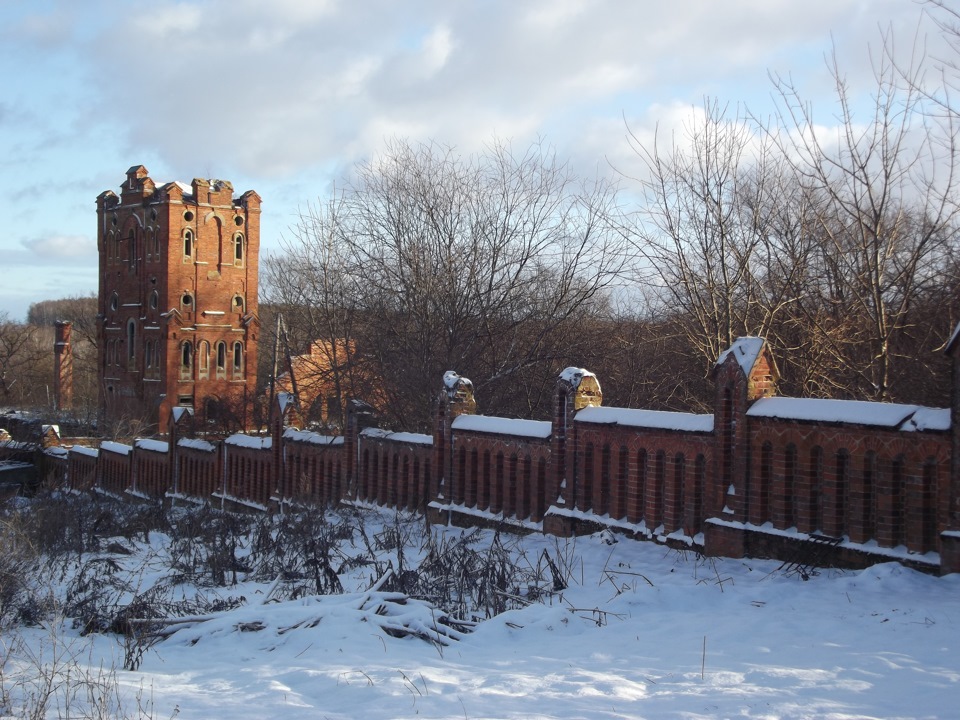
406	437
179	412
196	444
859	412
152	445
641	631
746	350
503	426
686	422
115	447
452	380
284	400
574	375
928	419
84	450
306	436
250	441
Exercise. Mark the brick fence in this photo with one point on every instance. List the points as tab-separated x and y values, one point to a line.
760	476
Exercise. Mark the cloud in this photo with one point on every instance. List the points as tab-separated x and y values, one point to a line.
269	93
57	248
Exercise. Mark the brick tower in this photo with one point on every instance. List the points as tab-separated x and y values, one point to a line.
177	314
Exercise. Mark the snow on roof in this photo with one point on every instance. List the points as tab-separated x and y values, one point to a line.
115	447
152	445
928	419
179	412
503	426
60	452
306	436
196	444
451	379
575	375
858	412
250	441
662	420
47	428
84	450
746	350
407	437
284	400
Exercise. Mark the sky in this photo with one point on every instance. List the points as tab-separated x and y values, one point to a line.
285	97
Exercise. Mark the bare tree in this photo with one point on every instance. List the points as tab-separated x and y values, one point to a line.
886	223
436	261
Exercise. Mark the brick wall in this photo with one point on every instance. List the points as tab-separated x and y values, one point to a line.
760	474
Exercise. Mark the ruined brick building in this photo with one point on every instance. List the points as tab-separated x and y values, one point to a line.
177	315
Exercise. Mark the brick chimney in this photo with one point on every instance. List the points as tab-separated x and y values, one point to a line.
63	367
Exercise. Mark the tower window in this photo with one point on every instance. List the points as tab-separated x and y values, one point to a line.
238	249
114	302
187	245
238	359
221	359
203	359
186	361
186	302
238	303
131	339
132	250
154	300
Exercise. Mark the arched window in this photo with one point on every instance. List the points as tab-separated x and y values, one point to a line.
238	359
238	304
203	359
186	302
154	300
132	249
187	245
131	339
221	359
114	302
148	354
238	249
186	361
156	244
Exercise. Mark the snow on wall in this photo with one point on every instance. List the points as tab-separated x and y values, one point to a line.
249	441
313	438
196	444
115	447
503	426
657	419
407	437
84	450
857	412
152	445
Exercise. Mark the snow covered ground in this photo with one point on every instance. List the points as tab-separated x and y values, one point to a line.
641	631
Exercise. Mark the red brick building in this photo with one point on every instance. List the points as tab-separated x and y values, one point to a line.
178	301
